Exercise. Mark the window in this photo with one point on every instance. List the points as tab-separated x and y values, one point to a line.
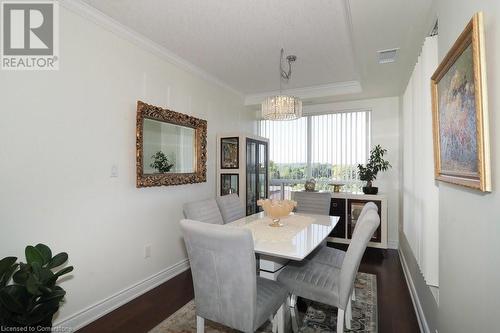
325	147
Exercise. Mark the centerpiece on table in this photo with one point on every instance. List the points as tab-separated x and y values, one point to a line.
276	209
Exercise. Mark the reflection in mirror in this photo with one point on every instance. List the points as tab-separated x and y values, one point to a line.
168	148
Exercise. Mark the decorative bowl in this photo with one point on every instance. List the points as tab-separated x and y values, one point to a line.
337	186
277	209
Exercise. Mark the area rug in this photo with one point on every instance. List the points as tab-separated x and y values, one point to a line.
317	318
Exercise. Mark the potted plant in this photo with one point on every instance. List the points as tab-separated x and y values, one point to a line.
29	296
161	162
369	172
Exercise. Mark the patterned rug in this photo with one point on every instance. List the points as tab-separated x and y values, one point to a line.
317	318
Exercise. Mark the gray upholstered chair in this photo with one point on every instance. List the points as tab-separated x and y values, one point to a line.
318	203
313	202
203	211
328	284
335	257
230	207
226	287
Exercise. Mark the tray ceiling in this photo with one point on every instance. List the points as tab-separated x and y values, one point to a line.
238	41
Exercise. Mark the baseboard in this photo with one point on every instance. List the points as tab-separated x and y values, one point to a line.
393	244
99	309
422	321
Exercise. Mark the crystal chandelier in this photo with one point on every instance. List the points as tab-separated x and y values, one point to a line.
282	107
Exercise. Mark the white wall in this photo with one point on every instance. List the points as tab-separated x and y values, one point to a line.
62	131
469	235
385	131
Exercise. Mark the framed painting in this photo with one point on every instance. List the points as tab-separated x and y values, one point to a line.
229	153
229	183
460	112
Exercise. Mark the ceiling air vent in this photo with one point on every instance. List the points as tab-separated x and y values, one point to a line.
387	56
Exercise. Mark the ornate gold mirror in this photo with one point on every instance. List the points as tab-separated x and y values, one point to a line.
171	147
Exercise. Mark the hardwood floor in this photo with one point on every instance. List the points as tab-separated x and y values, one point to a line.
395	309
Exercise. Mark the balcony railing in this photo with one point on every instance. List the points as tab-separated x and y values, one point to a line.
280	189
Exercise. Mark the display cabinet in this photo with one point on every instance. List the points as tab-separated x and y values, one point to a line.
348	206
242	167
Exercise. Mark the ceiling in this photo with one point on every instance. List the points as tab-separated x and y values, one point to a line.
239	41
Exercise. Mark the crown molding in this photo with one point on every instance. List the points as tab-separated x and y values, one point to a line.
324	90
96	16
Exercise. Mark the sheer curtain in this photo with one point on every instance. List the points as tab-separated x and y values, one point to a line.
420	192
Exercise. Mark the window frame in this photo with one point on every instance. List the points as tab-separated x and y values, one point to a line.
309	136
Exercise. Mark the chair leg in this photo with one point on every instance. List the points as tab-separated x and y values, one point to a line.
274	324
348	315
200	324
281	319
292	300
340	321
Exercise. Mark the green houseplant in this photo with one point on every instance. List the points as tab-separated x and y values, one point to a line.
29	296
160	162
376	163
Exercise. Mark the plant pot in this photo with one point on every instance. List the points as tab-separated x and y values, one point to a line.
370	190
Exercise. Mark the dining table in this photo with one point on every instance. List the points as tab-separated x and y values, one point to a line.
299	235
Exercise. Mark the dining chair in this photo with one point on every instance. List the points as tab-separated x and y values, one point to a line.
226	287
203	211
230	207
313	202
319	203
328	284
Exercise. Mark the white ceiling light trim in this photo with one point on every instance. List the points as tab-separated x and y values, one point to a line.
323	90
95	15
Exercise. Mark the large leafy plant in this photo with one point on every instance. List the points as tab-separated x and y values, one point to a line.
29	296
376	163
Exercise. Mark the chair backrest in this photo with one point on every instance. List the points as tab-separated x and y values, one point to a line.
230	207
223	267
203	211
368	206
354	254
313	202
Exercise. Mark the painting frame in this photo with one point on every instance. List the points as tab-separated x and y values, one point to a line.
230	151
230	176
480	178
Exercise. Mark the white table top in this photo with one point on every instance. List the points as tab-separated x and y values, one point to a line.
299	236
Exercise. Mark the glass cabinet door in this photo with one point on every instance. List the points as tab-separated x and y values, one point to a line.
262	168
257	174
251	200
354	208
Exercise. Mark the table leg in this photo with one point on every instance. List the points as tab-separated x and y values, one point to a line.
270	267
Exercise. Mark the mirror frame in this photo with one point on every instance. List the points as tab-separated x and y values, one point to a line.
168	116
